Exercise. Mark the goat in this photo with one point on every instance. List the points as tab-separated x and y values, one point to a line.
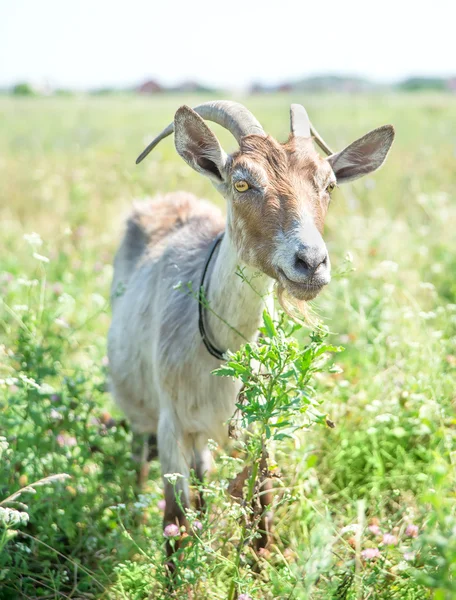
162	344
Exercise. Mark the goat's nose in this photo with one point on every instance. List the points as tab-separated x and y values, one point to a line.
309	259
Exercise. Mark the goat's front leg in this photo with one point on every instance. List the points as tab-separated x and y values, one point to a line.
201	464
175	453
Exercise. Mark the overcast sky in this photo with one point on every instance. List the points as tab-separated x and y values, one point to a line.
91	43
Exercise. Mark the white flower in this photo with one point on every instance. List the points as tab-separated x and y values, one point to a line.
173	477
34	239
40	257
10	517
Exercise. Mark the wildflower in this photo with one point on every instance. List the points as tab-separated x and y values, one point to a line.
375	529
353	528
33	239
10	517
171	531
412	531
173	477
370	553
161	504
197	525
64	439
244	597
62	323
389	539
410	556
40	257
55	415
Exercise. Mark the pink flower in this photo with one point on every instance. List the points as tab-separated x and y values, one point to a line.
375	529
171	531
63	439
409	556
57	288
370	553
197	525
244	597
412	531
161	504
389	539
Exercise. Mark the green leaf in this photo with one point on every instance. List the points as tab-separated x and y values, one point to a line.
269	324
224	372
282	436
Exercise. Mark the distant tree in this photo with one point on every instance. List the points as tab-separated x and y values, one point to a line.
105	91
63	92
423	83
23	89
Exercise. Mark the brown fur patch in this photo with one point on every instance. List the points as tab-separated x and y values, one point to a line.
295	175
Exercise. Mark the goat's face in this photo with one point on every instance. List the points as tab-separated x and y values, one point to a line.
277	194
278	198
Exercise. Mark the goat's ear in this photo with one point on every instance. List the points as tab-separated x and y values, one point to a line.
197	145
363	156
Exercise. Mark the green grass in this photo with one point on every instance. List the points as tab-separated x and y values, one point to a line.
67	172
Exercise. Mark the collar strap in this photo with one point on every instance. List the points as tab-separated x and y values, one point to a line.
202	301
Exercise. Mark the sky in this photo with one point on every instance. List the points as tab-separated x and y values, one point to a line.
95	43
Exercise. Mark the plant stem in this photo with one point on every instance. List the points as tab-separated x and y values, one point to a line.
248	501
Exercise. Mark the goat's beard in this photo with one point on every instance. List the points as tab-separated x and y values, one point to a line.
298	310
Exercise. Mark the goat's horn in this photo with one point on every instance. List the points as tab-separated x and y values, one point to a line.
320	141
301	126
231	115
299	121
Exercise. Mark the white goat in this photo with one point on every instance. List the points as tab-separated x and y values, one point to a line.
161	350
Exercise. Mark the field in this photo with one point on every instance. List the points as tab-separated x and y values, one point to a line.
364	510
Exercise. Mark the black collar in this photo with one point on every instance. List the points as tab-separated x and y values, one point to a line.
202	301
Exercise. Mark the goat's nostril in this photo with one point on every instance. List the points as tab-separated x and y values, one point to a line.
309	263
301	264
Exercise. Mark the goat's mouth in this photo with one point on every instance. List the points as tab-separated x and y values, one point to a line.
301	290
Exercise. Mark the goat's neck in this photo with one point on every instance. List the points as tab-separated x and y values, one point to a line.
236	303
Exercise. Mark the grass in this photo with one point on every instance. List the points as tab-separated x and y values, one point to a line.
364	510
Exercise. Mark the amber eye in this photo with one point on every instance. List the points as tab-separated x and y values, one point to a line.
330	187
241	186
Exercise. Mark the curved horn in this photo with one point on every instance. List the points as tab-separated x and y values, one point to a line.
320	141
301	126
231	115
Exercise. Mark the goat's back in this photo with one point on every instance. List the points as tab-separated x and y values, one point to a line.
153	224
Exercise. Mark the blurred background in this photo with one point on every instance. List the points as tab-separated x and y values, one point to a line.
365	510
144	47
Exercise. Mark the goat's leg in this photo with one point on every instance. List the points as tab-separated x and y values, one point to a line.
201	465
144	449
265	503
175	453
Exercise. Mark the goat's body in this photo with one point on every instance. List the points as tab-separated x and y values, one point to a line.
160	369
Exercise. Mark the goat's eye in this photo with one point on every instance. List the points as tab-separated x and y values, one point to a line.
241	186
330	187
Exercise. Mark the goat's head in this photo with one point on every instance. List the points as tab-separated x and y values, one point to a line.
277	194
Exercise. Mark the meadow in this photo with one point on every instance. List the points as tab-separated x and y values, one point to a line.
364	509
